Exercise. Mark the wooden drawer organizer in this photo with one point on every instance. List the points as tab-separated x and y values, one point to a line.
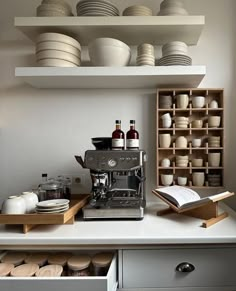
204	133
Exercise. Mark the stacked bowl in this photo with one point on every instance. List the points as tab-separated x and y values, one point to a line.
96	8
172	7
145	55
214	141
57	50
214	180
54	8
182	161
165	101
181	122
175	53
109	52
137	10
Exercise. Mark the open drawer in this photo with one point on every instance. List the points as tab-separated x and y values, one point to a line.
87	283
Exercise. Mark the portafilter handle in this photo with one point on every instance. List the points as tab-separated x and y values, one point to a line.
80	161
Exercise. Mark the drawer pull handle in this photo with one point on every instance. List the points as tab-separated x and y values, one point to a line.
185	267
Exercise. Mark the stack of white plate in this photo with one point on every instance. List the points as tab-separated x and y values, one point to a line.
172	7
175	53
96	8
145	55
52	206
57	50
137	10
54	8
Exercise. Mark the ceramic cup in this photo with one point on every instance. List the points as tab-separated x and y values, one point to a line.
214	121
213	104
196	142
166	179
31	199
13	205
198	101
182	181
165	163
198	179
165	140
197	162
214	159
198	123
182	100
181	142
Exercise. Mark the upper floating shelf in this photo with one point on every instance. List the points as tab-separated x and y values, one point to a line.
112	77
133	30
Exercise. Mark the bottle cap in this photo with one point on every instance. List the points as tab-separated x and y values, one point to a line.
44	175
118	121
132	121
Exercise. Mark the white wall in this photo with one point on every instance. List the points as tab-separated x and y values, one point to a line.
41	130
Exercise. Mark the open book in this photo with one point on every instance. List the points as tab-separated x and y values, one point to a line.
183	197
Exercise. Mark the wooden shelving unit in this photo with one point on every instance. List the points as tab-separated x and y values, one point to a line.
211	173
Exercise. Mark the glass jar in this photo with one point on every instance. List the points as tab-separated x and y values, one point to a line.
101	263
53	189
61	260
79	265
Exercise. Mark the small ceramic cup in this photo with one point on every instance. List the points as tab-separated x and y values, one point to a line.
197	162
31	199
181	142
214	121
198	179
198	101
13	205
166	179
182	101
164	140
214	159
182	181
165	163
196	142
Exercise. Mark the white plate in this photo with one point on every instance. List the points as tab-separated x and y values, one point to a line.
47	210
52	211
53	203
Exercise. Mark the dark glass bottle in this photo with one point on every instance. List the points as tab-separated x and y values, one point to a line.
118	137
132	137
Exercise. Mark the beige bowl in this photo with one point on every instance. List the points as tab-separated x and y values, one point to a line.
55	63
198	123
59	46
109	52
52	36
53	54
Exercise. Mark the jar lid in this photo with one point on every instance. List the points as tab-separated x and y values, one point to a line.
59	258
25	270
37	258
5	269
15	258
51	185
79	262
50	271
102	259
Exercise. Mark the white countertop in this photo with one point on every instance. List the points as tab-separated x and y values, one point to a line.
152	230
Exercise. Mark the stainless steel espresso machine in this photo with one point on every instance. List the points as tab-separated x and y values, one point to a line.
118	184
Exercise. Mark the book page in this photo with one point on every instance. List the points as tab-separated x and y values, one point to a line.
179	195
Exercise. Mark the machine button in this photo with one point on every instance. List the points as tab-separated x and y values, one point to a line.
112	163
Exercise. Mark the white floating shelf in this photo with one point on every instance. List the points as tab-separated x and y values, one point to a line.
131	29
112	77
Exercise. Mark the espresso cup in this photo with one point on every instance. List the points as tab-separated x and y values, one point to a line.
182	181
198	101
196	142
214	121
165	163
198	179
164	140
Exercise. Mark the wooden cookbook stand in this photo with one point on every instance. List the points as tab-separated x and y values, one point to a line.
209	210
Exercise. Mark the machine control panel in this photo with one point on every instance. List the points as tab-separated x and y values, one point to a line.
111	160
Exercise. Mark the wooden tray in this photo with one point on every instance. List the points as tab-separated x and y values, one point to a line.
29	221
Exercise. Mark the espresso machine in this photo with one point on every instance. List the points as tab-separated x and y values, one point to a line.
118	184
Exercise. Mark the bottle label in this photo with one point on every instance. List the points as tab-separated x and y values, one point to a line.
118	142
132	143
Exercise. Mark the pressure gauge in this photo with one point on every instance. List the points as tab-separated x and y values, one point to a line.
112	163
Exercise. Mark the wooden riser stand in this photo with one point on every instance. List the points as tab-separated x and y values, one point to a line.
208	211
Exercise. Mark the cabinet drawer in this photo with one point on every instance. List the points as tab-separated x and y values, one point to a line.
157	268
101	283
